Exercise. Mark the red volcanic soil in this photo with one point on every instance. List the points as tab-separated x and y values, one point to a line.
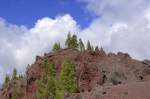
99	75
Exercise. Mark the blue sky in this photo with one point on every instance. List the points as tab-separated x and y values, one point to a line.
27	12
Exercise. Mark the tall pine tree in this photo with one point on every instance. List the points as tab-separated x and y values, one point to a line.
81	45
67	82
56	47
71	41
74	42
68	39
7	79
14	76
89	46
68	77
46	84
14	94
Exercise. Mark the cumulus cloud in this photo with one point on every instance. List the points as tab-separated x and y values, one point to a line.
121	25
20	45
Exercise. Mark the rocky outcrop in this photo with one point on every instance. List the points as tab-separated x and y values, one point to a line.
99	75
18	85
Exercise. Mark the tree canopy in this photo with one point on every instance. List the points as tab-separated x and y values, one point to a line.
14	93
71	41
14	76
67	82
67	76
89	46
46	84
7	79
56	47
81	45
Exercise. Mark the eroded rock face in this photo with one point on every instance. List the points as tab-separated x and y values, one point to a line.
18	85
99	76
136	90
90	76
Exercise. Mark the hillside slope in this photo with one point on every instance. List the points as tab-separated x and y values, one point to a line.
99	76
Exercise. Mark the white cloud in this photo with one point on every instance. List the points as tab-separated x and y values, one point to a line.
20	45
121	25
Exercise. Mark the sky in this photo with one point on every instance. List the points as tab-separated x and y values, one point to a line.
27	12
30	27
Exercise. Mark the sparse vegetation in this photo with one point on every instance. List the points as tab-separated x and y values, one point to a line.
50	88
67	76
20	77
81	45
67	81
46	84
14	93
68	39
89	46
7	79
14	76
92	68
71	41
56	47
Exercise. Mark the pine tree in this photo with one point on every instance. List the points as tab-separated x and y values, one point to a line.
14	93
68	39
20	76
71	41
89	47
56	47
92	48
14	76
7	79
74	42
81	45
96	48
59	93
46	84
41	90
67	80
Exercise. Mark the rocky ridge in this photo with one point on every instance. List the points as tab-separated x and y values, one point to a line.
99	76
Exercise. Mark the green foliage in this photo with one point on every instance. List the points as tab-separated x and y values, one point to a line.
59	91
56	47
59	94
20	77
14	93
89	46
71	41
46	84
7	79
81	45
14	76
67	80
50	88
46	87
74	42
68	39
